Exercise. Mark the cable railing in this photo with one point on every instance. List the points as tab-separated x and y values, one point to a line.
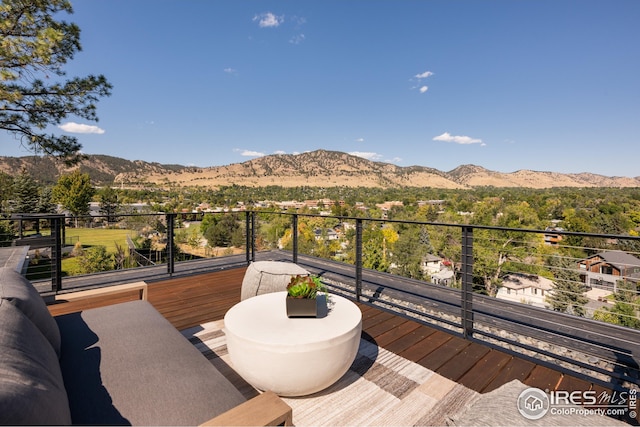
572	302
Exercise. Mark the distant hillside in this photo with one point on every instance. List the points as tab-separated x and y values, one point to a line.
317	169
102	169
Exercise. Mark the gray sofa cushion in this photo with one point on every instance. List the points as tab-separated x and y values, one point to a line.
18	291
126	364
31	385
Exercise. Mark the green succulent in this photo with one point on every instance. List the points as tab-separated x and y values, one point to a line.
305	287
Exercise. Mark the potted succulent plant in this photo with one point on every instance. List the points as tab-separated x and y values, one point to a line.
302	292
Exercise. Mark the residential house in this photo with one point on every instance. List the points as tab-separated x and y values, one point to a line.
551	237
431	264
525	288
603	270
325	234
443	277
433	267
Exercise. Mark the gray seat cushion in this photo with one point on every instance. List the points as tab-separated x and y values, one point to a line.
264	277
126	364
18	291
31	385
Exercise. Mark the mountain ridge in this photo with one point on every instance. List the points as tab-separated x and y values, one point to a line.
319	168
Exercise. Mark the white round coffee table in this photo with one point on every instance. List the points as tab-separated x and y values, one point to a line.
291	356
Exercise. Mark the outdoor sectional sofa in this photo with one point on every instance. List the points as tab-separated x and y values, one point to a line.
122	364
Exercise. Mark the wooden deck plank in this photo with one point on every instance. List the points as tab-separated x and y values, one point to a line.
544	378
191	300
379	317
387	325
490	364
411	339
441	355
406	327
570	383
515	369
425	346
464	361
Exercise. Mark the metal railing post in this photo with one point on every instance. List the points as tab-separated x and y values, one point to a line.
56	253
247	237
170	242
467	282
250	226
358	259
294	233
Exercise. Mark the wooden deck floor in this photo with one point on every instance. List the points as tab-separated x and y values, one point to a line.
192	300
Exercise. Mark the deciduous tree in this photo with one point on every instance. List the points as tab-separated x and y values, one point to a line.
74	192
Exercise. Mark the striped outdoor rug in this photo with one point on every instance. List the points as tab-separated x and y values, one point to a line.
381	388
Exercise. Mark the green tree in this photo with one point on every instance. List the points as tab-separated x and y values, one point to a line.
408	252
6	191
109	203
34	48
74	192
494	251
625	310
375	253
25	194
568	292
96	259
45	201
223	231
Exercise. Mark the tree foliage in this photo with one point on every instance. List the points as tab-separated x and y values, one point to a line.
34	94
568	293
222	230
26	196
408	252
625	309
74	192
109	203
96	259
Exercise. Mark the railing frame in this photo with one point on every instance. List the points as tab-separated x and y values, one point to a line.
467	282
606	339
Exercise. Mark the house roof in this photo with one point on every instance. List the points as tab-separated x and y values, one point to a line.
431	258
443	274
618	259
522	281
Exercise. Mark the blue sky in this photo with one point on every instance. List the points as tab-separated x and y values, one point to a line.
507	85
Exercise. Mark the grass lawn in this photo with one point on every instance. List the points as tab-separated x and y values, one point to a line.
89	237
107	237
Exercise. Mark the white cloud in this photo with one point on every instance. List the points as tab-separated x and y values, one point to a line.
423	89
249	153
458	139
366	155
268	20
297	39
299	21
73	127
230	70
279	152
360	140
424	75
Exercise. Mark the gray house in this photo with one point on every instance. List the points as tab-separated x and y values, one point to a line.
605	269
